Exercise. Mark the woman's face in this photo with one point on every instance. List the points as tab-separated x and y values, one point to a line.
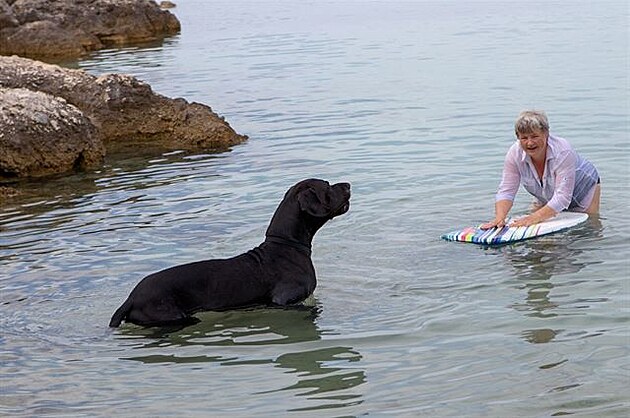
534	143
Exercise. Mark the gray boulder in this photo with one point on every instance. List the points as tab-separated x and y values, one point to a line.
112	108
41	134
7	17
124	108
63	29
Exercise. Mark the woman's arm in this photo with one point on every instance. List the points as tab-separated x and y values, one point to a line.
540	215
501	209
510	181
564	181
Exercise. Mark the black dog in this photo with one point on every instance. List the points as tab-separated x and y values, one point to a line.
277	272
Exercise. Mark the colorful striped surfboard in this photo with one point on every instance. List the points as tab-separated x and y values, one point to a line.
505	235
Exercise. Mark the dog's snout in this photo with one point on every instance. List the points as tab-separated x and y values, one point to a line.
345	187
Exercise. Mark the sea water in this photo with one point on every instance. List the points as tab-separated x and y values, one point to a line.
413	102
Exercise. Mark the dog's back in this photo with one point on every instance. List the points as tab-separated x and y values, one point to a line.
173	294
258	277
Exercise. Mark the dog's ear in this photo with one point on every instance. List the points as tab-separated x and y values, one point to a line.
313	202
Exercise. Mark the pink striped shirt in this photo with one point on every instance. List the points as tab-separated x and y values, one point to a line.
568	180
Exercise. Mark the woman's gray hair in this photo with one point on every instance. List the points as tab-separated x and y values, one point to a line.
531	120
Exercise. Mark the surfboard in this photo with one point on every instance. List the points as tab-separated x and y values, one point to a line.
506	234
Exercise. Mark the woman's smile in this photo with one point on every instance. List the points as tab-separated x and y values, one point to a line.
533	142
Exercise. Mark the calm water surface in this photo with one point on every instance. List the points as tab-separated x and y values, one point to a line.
411	102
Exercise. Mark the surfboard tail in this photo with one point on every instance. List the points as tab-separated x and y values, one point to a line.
120	314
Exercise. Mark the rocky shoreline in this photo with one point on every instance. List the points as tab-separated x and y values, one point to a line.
55	120
69	29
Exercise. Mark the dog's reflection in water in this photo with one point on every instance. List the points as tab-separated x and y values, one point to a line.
278	337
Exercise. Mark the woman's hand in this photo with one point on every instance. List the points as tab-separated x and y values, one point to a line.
501	209
493	223
539	216
526	221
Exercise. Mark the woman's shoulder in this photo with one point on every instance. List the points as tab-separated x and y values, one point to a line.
515	150
559	140
559	145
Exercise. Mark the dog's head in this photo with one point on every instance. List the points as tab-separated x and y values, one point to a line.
319	199
306	207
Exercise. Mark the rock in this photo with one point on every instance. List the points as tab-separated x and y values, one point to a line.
7	192
7	17
124	108
41	134
48	39
165	4
56	29
128	108
113	107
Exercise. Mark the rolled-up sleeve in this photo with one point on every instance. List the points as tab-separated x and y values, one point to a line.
564	177
511	178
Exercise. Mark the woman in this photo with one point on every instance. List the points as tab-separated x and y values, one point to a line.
549	169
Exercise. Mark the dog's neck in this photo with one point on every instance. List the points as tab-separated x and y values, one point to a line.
289	227
300	246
